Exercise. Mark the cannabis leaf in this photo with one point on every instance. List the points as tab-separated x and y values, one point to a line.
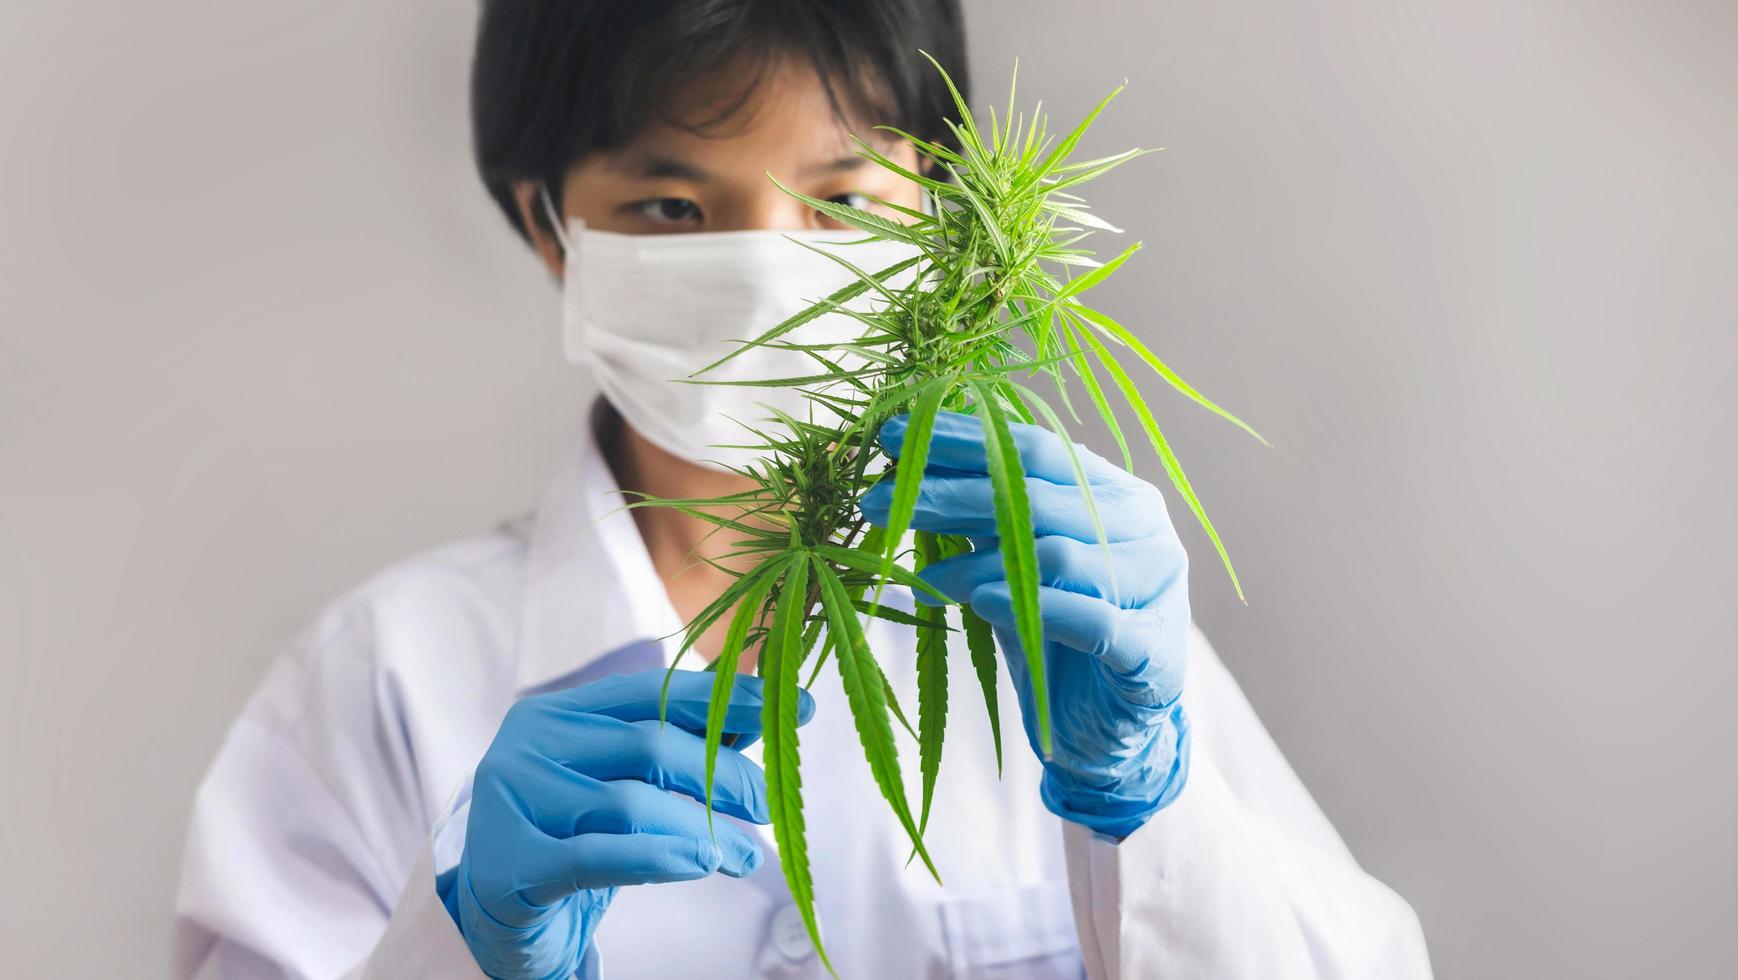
990	299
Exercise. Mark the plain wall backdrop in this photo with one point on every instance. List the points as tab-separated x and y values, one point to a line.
1469	265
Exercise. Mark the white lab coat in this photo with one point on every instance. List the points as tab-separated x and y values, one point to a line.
342	790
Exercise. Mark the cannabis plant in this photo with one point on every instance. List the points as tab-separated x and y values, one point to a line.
990	317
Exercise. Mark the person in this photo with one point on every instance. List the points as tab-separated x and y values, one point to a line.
457	769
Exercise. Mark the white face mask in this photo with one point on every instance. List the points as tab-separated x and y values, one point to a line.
646	311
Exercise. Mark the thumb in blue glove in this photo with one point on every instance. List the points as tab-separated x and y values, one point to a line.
579	794
1115	646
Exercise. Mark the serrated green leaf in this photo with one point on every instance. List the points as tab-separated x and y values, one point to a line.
959	101
931	682
820	661
893	704
871	563
784	783
913	457
893	615
860	219
838	297
724	679
1128	339
1075	287
710	615
1173	467
867	697
1019	546
1070	141
1105	412
989	310
1081	480
981	644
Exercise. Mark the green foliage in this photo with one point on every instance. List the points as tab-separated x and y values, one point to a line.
931	680
992	302
1019	545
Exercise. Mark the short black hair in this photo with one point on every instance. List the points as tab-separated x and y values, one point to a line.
553	80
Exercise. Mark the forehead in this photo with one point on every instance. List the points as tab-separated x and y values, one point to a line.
780	114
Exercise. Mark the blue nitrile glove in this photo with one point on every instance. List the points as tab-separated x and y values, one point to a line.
1115	667
576	797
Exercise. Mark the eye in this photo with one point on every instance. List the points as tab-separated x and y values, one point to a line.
854	199
667	210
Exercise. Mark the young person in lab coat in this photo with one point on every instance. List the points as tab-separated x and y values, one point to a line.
457	769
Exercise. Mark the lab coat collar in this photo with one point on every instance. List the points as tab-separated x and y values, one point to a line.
591	588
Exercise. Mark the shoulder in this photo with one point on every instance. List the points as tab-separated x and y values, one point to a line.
406	670
389	693
325	784
421	606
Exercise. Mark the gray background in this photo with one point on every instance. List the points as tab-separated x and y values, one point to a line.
1469	265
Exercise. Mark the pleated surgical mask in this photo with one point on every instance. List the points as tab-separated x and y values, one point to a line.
646	312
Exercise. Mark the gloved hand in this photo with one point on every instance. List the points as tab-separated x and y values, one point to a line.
571	801
1114	660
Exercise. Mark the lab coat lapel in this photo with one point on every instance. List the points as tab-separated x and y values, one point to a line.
591	589
594	604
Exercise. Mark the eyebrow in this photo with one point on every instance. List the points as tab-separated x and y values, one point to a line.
651	166
839	166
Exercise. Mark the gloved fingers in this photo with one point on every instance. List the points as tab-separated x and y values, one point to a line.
634	697
1083	623
614	860
957	442
1134	575
967	505
1125	641
669	758
632	807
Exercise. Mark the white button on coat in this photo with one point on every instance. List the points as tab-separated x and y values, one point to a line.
342	789
790	937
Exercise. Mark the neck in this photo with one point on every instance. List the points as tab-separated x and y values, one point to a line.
678	543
